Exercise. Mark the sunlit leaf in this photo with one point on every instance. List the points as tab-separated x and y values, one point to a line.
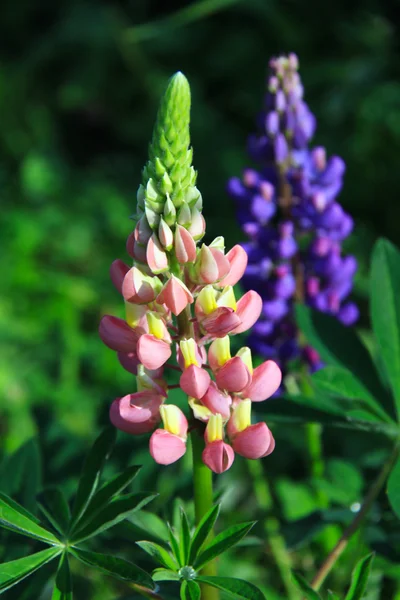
16	518
359	578
305	587
222	542
202	532
15	571
160	554
240	589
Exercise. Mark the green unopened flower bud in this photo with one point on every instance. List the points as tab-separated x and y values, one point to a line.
184	215
165	185
169	212
219	243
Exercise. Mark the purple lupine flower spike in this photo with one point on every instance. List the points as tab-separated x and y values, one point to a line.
295	225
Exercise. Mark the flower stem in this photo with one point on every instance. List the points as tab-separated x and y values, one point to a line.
203	501
370	498
271	526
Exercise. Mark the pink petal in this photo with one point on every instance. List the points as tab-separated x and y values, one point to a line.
175	295
118	270
254	442
248	310
139	252
117	335
165	447
220	322
234	376
218	456
194	381
129	361
198	225
137	288
131	419
130	242
222	262
155	255
237	258
143	231
152	353
185	246
207	266
266	380
216	401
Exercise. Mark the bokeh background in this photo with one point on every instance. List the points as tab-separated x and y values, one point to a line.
80	81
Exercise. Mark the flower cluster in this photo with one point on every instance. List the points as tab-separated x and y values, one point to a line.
288	210
180	303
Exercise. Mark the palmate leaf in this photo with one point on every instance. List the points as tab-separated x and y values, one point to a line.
20	473
185	538
63	584
111	514
15	571
165	575
385	310
114	566
341	382
222	542
190	590
305	587
302	409
394	489
359	578
92	469
175	547
202	532
54	506
16	518
340	346
240	589
160	554
102	498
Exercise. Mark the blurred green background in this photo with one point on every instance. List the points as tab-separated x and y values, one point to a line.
80	81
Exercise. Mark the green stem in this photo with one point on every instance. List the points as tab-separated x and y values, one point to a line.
340	547
203	501
271	526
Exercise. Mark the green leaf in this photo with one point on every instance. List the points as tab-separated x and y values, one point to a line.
165	575
332	596
340	382
190	590
202	532
305	587
20	473
222	542
92	469
54	506
113	513
16	518
113	487
237	587
301	409
15	571
359	578
114	566
185	538
175	546
159	554
385	310
63	584
393	488
340	346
